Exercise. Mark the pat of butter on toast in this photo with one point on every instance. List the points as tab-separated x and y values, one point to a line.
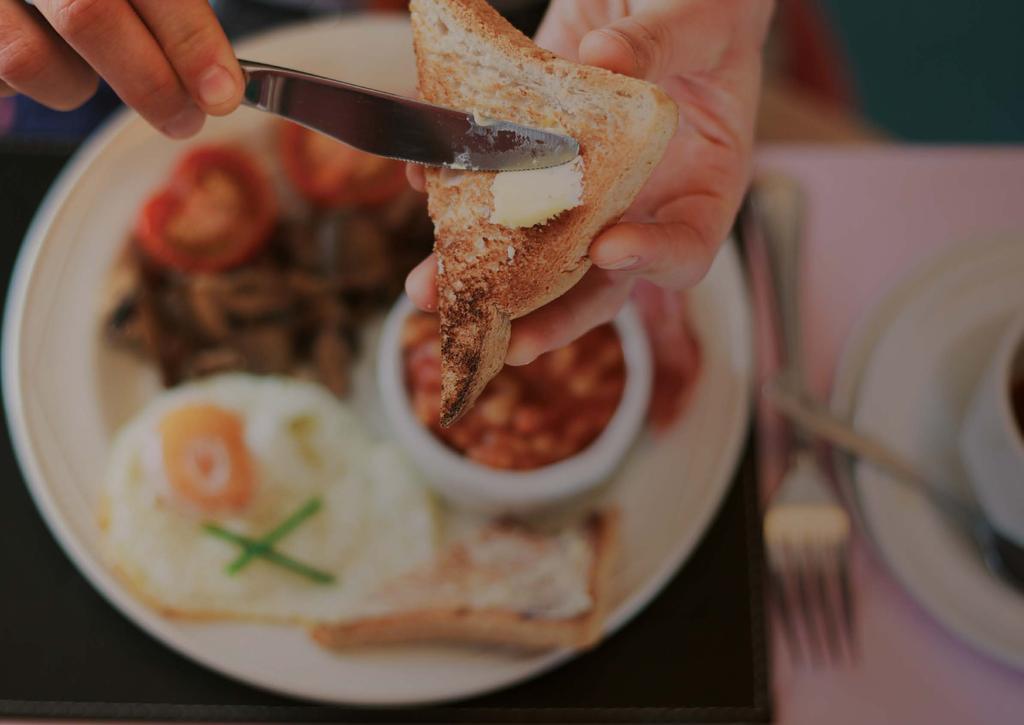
527	198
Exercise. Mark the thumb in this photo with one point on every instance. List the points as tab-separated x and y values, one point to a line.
671	37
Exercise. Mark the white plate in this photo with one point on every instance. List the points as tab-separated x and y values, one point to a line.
907	375
66	392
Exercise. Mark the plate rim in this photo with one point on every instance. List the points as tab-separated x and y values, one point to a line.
151	623
853	362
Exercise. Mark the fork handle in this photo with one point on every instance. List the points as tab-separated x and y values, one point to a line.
777	203
816	419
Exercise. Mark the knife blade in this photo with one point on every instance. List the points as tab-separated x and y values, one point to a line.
401	128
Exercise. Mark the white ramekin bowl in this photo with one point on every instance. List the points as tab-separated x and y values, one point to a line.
481	488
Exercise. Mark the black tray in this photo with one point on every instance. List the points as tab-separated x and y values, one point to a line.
696	654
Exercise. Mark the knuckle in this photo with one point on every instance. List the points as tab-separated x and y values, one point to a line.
701	254
78	18
649	42
22	60
659	43
627	39
196	43
701	264
159	94
687	250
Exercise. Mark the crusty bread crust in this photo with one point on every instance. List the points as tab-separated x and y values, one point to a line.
469	57
495	626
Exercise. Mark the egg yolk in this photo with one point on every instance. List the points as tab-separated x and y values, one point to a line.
205	457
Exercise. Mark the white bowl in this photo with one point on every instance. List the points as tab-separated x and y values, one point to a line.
478	487
991	442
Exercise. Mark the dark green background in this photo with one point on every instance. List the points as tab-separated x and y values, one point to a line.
937	70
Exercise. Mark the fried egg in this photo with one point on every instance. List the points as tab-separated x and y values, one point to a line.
240	454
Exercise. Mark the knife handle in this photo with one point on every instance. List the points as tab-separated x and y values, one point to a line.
348	113
400	128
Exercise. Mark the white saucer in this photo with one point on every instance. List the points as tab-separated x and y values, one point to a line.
907	376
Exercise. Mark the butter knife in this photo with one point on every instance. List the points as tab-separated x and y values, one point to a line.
401	128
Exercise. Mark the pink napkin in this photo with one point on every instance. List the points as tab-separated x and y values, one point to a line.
871	215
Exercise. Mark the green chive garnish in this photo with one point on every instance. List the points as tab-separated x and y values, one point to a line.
264	548
268	541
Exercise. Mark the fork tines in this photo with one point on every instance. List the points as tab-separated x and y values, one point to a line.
809	587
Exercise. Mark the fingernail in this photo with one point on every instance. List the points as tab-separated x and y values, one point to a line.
624	263
185	124
519	360
519	355
216	86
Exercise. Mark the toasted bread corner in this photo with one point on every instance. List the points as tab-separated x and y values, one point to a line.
496	626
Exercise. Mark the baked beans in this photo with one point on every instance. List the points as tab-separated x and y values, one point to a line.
528	416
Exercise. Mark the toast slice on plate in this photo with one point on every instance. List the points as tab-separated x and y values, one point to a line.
492	268
503	584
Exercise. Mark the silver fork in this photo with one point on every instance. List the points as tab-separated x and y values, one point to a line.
806	529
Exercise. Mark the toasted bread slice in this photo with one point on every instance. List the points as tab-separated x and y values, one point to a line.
469	57
504	585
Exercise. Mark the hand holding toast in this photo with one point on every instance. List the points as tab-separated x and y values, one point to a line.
706	55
